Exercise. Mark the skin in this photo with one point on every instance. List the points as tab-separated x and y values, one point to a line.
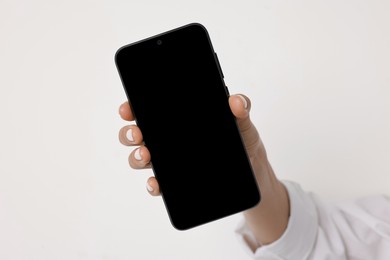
268	220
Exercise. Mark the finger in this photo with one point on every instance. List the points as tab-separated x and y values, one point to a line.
140	158
130	135
152	187
125	112
240	106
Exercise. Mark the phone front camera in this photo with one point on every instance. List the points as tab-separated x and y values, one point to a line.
159	42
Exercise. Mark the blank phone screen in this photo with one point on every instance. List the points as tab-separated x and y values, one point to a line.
178	96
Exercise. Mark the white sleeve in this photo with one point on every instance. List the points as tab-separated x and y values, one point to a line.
318	230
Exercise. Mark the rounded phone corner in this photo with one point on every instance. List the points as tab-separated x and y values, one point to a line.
117	53
179	227
199	26
257	200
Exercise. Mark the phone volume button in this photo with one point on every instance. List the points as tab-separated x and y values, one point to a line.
227	91
219	65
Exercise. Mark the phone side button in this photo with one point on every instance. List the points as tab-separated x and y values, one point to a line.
227	91
219	65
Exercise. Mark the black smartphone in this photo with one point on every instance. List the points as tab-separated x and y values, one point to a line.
175	87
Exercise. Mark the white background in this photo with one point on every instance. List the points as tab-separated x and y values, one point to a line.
317	72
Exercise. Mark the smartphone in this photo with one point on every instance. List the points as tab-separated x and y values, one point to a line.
176	89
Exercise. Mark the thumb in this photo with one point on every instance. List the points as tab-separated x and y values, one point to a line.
240	106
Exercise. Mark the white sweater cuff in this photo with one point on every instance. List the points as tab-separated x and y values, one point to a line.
298	239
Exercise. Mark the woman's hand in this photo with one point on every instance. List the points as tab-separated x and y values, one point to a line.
269	218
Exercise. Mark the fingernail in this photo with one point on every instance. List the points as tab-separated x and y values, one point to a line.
129	135
137	155
244	101
148	187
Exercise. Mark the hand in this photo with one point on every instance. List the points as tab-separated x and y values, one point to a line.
130	135
267	220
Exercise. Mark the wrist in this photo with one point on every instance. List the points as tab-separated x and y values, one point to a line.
268	220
